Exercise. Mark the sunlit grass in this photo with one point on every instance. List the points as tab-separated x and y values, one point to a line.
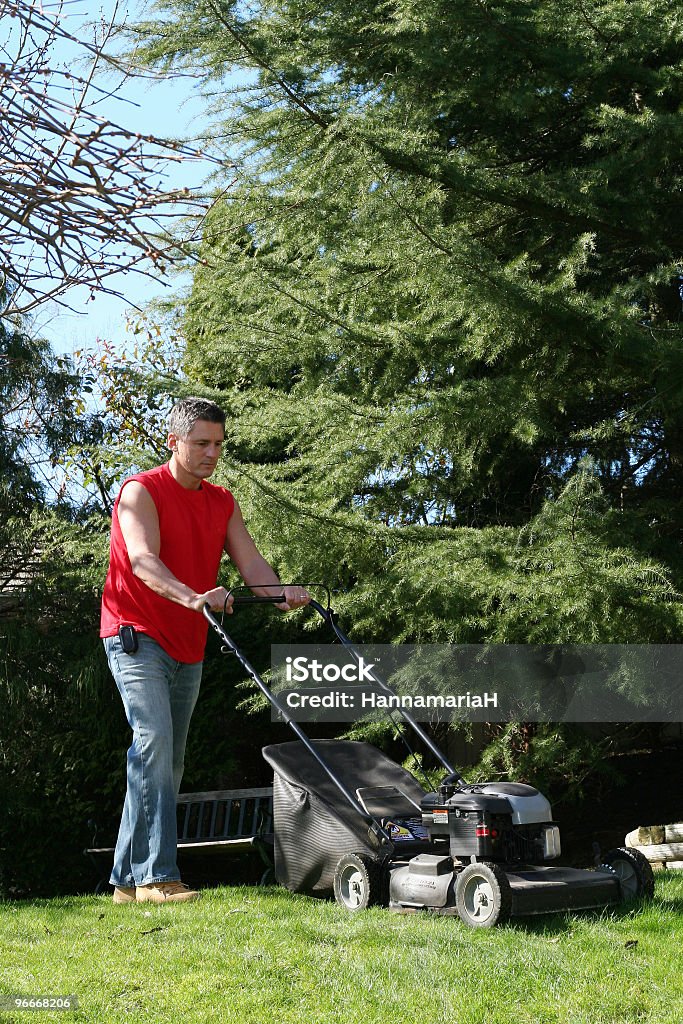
265	955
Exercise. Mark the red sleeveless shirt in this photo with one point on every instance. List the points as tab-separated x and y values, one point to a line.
192	527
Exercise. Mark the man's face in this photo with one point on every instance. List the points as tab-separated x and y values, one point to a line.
196	455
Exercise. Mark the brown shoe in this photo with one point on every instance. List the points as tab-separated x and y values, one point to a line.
123	894
165	892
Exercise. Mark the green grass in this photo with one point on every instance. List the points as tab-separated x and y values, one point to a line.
265	956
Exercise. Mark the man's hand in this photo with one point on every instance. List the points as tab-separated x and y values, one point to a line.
216	600
295	597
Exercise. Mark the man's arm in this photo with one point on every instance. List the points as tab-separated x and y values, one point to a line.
139	522
253	567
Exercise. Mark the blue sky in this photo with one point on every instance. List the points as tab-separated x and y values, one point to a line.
170	106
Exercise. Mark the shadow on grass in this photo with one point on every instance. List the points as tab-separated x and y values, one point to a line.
563	923
559	923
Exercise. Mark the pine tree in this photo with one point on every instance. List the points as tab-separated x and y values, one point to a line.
440	301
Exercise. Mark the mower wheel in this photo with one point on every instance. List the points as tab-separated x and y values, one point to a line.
483	897
357	881
633	871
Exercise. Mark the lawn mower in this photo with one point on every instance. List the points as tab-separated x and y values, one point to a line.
350	821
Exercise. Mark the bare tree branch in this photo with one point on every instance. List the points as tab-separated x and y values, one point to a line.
81	198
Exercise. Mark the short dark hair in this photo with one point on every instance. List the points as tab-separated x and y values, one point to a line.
187	411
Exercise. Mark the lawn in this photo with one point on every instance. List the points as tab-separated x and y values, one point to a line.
264	956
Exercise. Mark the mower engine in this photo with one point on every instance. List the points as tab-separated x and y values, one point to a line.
505	822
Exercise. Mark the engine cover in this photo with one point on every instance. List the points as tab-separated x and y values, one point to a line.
529	807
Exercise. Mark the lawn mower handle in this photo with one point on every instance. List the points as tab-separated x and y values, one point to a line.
375	830
239	598
330	618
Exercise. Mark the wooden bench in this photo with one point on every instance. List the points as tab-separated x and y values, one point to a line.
211	824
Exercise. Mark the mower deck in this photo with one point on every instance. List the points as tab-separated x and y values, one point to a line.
545	890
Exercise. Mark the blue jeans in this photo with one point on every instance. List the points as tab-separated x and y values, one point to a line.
159	695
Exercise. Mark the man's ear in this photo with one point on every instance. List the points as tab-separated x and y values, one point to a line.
173	442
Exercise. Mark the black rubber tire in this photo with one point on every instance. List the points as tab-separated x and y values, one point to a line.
483	897
357	882
633	870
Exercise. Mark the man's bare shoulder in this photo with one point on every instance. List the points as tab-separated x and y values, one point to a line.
135	496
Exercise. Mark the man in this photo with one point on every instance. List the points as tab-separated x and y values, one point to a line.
170	527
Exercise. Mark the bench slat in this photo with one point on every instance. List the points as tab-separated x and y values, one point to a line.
225	794
202	815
